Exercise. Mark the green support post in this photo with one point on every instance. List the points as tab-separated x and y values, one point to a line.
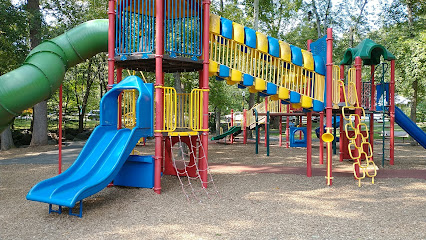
267	133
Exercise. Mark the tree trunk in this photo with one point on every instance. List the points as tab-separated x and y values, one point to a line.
415	84
6	139
317	17
39	133
218	121
178	83
89	83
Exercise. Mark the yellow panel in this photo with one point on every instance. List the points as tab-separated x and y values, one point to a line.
259	84
183	134
238	32
262	42
229	82
214	23
274	97
306	102
283	93
236	76
252	89
213	68
296	105
308	60
285	51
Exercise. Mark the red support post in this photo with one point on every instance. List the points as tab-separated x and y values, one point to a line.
159	101
321	144
60	132
245	125
358	83
329	106
266	122
287	128
342	132
308	45
111	42
309	144
205	86
392	113
120	98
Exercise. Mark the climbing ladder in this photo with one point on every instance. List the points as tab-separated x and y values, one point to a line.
357	132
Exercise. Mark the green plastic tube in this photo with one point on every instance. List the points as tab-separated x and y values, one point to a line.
44	69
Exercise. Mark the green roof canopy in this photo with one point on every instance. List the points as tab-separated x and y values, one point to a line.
369	51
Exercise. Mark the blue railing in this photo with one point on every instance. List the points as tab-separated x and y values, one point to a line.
135	27
183	28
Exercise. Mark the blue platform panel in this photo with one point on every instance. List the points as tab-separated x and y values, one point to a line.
271	88
224	71
296	56
226	27
318	106
319	65
273	47
248	80
250	38
137	171
294	97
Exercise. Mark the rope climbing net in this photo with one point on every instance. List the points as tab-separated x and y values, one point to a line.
190	168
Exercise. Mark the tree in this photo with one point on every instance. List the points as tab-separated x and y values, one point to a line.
404	32
39	130
13	48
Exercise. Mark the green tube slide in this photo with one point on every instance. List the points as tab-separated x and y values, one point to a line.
44	68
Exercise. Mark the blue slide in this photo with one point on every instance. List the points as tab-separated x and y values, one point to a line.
410	127
105	151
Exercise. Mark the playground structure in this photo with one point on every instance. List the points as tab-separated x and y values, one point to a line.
177	36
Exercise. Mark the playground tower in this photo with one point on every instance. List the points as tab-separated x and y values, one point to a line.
166	36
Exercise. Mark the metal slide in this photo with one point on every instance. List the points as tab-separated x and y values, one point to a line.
105	151
410	127
44	69
233	130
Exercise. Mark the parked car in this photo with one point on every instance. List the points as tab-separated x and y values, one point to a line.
93	115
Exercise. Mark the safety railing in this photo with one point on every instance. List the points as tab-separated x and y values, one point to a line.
351	87
196	110
182	111
366	95
262	65
135	27
336	86
274	106
129	108
183	27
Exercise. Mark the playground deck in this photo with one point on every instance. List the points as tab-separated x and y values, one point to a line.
288	206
